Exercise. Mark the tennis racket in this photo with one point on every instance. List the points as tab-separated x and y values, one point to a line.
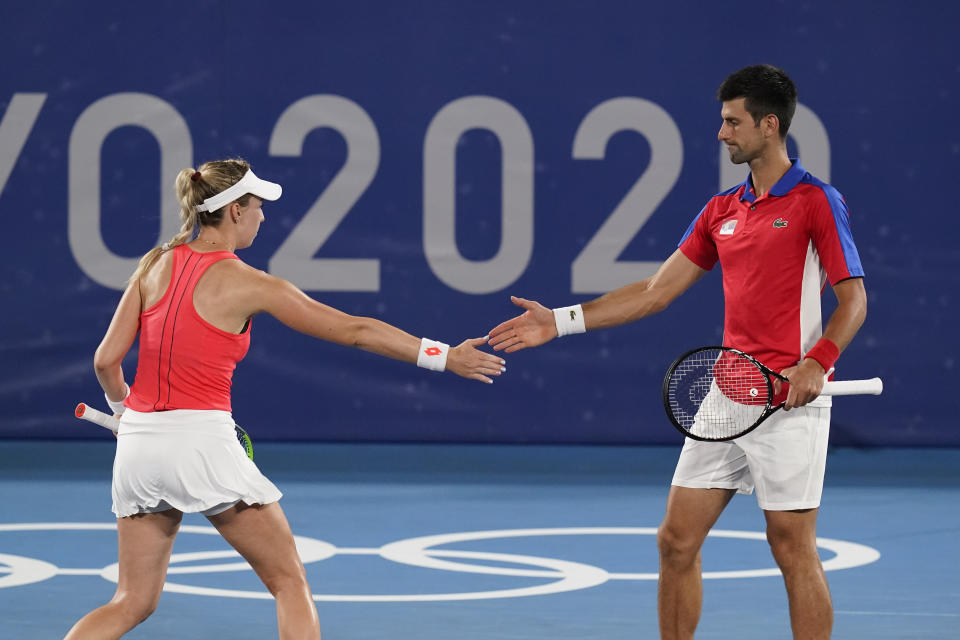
86	412
720	393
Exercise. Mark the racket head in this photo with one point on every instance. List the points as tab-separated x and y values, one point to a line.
244	439
716	393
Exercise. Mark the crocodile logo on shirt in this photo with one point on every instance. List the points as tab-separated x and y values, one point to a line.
779	223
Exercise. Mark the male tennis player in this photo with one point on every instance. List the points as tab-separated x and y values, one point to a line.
777	236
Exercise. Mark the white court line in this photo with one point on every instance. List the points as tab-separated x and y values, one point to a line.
899	613
79	572
563	575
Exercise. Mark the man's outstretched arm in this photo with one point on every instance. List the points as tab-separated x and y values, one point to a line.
538	324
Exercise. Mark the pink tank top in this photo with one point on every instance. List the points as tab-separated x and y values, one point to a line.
184	361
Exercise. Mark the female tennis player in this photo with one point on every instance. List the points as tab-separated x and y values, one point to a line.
191	302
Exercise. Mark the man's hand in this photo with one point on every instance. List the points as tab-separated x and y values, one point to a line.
532	328
806	383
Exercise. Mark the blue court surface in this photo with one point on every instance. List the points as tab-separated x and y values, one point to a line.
439	542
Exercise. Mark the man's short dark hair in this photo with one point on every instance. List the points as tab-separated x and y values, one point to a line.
766	90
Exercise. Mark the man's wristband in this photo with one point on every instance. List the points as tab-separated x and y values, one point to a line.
432	355
117	405
569	320
825	352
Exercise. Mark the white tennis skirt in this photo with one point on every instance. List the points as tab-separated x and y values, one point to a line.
184	459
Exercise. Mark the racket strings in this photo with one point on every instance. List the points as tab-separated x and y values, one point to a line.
715	394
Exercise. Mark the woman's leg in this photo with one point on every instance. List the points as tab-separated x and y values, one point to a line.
261	534
144	545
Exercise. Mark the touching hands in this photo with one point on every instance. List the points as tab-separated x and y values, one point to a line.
533	327
468	361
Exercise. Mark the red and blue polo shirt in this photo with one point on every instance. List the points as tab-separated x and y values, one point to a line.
776	253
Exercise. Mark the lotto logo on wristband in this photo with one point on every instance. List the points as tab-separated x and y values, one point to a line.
432	355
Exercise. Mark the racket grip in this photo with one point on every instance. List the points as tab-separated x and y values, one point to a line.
86	412
873	387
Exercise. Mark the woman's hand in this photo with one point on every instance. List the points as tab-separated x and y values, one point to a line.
468	361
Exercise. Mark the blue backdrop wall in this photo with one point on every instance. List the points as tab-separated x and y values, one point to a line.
437	157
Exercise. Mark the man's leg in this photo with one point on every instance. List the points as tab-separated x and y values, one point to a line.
690	515
793	539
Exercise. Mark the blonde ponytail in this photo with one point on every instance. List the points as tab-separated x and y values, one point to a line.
193	187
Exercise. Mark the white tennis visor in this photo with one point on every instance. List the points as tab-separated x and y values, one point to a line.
249	183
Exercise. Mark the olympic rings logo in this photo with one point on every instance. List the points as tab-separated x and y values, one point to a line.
559	575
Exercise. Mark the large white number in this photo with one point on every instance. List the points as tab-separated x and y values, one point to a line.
16	125
86	141
596	269
439	197
813	148
294	259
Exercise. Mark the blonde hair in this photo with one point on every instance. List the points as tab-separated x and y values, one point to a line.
193	187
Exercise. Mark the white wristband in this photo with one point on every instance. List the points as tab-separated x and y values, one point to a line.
117	405
432	355
569	320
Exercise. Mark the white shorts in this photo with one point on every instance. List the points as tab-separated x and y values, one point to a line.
784	459
184	459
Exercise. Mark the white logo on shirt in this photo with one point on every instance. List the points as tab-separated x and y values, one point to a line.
728	227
